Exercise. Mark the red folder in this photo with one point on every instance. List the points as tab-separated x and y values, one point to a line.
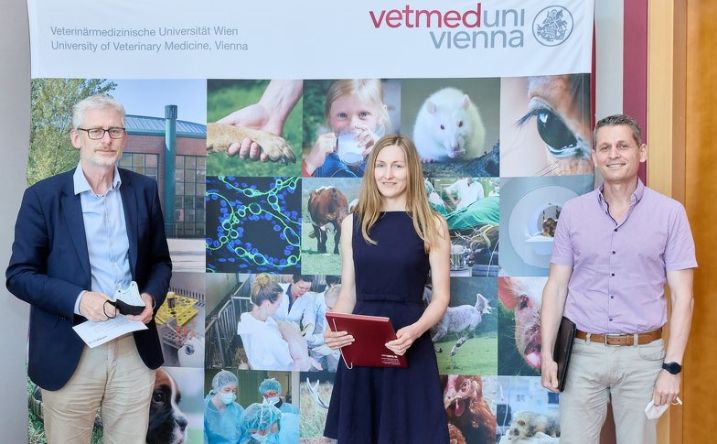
371	333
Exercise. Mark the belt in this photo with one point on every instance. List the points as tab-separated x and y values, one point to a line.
621	339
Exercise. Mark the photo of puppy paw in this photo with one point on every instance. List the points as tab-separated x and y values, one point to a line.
220	136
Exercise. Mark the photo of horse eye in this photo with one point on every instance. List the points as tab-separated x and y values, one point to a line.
546	126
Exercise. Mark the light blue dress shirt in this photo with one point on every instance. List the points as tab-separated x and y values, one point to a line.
106	234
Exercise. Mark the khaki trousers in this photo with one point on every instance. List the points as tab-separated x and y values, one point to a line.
112	377
622	375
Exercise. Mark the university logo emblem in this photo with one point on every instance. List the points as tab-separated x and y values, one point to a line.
553	25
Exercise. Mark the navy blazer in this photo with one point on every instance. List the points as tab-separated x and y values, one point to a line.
50	266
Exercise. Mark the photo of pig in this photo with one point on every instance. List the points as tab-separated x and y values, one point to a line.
454	124
519	343
465	339
249	325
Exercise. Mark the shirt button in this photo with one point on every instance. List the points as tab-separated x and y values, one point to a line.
615	229
612	274
613	251
610	319
612	297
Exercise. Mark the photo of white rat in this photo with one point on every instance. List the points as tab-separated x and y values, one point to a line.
449	127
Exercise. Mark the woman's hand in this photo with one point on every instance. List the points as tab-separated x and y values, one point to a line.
337	339
404	339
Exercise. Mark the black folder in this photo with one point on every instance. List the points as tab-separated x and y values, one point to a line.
563	348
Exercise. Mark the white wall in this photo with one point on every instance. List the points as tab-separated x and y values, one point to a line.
15	130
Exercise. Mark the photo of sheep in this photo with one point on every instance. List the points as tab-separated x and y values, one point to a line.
465	339
324	205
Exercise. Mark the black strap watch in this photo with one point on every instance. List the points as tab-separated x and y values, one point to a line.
672	367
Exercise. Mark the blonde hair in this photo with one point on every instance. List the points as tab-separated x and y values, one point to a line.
264	289
368	91
370	200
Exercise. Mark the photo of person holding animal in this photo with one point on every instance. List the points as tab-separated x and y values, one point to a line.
272	341
255	127
261	335
471	207
325	204
545	126
465	339
355	116
396	239
222	414
454	123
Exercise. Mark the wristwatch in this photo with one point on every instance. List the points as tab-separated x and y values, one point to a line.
672	367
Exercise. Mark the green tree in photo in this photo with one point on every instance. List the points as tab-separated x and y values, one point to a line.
52	100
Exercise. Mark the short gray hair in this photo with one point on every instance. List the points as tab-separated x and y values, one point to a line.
98	101
617	120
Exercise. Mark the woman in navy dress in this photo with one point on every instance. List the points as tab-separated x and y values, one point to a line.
395	238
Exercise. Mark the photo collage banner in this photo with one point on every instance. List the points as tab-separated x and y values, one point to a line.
255	120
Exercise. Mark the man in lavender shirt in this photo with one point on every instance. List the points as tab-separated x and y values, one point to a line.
614	250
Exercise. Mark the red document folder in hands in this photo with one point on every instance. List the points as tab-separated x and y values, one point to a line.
371	333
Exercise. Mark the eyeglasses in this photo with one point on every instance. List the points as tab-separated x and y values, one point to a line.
98	133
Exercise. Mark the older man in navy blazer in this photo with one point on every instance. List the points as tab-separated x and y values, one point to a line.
79	237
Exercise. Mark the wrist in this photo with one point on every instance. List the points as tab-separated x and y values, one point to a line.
672	368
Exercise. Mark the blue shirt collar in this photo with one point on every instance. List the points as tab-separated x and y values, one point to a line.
81	184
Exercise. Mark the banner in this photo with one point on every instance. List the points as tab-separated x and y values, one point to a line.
310	40
254	118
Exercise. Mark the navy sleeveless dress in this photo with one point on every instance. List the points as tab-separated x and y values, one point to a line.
390	405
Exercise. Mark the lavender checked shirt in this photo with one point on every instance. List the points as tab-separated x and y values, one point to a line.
620	269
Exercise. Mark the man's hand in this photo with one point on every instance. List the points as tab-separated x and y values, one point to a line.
146	314
667	387
95	306
549	373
